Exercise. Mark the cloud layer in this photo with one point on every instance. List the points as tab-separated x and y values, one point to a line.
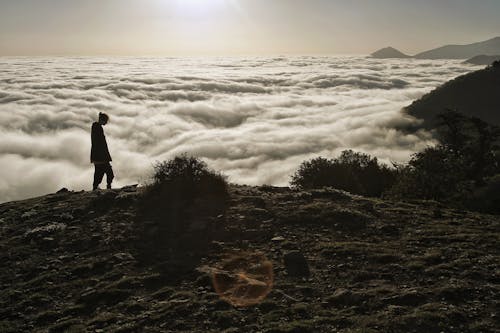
255	119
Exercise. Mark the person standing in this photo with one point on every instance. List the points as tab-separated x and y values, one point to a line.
99	153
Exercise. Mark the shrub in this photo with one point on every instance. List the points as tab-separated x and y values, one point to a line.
471	142
430	174
459	170
184	194
186	179
352	171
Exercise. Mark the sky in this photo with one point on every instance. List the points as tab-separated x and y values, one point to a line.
240	27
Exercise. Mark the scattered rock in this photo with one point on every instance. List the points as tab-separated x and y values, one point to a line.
63	190
66	216
296	264
45	230
410	298
124	256
129	188
126	198
29	214
344	297
330	193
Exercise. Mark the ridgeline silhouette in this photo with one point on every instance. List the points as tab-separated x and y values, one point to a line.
474	95
489	47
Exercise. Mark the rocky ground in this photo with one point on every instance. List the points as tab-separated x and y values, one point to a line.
72	262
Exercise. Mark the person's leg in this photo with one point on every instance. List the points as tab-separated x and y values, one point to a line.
109	175
98	174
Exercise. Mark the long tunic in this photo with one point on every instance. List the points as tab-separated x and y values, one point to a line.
99	151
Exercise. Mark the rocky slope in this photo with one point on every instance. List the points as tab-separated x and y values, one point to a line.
72	262
474	94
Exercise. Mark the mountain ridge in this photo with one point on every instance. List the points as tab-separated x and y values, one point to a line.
488	47
455	51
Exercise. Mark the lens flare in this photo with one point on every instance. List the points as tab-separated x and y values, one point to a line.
243	279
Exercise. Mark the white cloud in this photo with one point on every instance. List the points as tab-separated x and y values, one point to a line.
255	119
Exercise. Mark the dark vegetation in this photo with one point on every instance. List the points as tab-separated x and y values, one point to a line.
474	94
183	198
463	169
354	172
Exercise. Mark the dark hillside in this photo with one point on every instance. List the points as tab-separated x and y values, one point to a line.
71	262
476	94
482	60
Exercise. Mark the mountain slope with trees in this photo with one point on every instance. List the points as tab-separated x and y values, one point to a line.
475	94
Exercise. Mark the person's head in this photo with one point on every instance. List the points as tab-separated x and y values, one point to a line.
103	118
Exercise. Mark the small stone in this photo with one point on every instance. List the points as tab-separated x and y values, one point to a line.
278	239
123	256
130	188
63	190
29	214
49	229
344	297
296	264
66	216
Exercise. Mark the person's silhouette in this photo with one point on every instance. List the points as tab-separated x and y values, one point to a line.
99	153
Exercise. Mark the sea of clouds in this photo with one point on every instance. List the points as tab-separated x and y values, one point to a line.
255	119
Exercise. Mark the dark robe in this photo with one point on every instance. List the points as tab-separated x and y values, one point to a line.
99	151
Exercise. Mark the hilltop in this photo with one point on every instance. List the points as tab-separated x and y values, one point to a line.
72	262
474	94
387	53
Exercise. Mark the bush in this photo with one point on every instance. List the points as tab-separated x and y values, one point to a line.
352	171
431	174
183	196
471	142
459	170
186	179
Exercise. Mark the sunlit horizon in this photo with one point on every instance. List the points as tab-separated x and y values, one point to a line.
238	27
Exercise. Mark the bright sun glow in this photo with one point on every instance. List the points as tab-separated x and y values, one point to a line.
198	6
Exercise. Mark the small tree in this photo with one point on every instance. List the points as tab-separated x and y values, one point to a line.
467	154
430	174
471	141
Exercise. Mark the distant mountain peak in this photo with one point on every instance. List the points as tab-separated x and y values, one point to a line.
388	52
454	51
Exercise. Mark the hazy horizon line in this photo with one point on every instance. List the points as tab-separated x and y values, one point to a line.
237	54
